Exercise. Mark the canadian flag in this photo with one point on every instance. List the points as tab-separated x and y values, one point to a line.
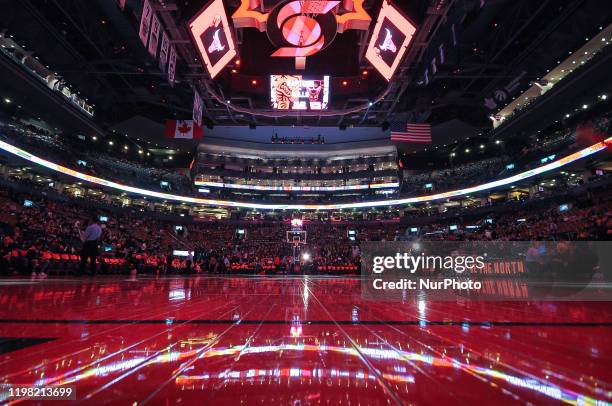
185	129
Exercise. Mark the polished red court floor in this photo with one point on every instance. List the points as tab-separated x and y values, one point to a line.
296	341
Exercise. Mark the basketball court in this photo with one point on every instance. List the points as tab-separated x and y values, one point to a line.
296	340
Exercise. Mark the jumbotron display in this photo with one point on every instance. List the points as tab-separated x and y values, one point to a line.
390	39
294	92
212	35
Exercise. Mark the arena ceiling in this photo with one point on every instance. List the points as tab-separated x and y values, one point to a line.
94	45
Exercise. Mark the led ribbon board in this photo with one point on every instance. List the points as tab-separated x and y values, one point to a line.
212	35
593	149
392	35
297	188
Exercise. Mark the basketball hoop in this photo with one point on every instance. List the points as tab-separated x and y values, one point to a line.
296	237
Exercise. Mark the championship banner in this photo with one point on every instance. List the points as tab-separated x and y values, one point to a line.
171	65
443	53
163	51
145	22
197	108
155	31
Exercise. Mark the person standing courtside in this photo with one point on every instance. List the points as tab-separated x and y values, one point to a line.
90	239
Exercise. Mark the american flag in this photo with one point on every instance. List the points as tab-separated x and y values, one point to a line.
410	132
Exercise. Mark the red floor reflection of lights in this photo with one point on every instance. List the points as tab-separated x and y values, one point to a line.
296	341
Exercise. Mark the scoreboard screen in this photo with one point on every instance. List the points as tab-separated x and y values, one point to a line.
294	92
389	41
212	34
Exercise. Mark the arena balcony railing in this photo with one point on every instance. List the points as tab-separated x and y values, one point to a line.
302	185
22	58
411	188
210	159
295	176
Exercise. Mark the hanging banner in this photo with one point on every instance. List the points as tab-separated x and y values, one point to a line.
163	51
171	65
501	96
154	39
443	53
145	22
197	108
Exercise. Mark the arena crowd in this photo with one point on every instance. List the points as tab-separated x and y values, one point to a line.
46	237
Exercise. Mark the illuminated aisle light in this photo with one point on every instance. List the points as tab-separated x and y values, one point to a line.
593	149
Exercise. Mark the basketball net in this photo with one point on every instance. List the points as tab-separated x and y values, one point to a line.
305	7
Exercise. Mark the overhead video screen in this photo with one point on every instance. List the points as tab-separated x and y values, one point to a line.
294	92
390	39
212	35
